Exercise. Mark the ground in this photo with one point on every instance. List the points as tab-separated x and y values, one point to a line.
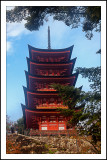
21	144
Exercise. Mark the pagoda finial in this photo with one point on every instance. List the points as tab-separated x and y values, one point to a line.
49	45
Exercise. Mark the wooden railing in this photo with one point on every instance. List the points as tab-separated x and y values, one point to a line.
52	106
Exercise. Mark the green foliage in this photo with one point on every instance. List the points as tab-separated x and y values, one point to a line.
69	95
66	112
73	98
94	75
92	20
51	152
89	17
75	117
20	125
92	123
87	119
92	126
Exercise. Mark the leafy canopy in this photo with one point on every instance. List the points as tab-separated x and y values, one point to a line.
73	98
92	124
88	17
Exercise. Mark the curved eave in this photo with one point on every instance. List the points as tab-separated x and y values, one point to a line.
76	76
73	61
45	92
80	87
70	61
50	77
25	93
50	50
39	92
38	76
36	110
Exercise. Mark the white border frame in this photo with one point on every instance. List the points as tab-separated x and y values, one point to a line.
3	79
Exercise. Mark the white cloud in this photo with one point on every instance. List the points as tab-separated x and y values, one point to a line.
15	29
9	7
9	46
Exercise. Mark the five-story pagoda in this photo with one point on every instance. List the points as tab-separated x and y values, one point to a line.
45	67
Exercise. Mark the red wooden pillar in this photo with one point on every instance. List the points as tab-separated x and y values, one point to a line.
47	85
47	73
41	85
52	73
47	102
58	73
65	123
39	123
52	60
57	123
55	102
41	101
47	122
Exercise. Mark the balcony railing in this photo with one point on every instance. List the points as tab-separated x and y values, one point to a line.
51	106
46	89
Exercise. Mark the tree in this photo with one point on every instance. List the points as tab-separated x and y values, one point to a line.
73	98
20	125
8	123
94	76
93	102
88	119
89	17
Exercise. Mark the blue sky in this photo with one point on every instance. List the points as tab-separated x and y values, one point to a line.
62	36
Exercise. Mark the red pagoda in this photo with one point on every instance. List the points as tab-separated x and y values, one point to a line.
45	67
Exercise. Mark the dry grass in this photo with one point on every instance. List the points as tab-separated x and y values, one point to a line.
11	146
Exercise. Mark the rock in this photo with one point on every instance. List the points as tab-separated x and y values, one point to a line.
57	152
33	145
57	145
53	149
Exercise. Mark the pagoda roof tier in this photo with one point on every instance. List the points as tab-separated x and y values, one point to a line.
65	62
31	96
36	68
38	82
30	115
39	110
45	55
49	110
40	93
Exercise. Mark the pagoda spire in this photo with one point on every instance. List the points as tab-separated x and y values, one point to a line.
49	44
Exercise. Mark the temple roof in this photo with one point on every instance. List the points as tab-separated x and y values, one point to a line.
51	77
43	110
68	66
26	90
37	54
50	50
70	61
38	110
